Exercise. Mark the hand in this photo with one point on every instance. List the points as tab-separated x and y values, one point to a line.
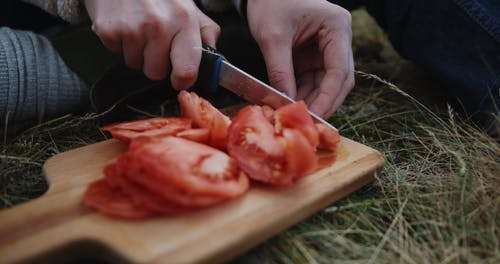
315	37
155	35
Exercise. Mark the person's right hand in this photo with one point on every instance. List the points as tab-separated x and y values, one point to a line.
309	42
155	35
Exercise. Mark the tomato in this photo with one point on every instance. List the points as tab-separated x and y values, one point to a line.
130	169
269	154
205	115
177	164
329	139
325	158
139	195
187	166
300	155
112	201
297	117
252	143
200	135
159	126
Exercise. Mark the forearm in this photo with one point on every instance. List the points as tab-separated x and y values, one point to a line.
72	11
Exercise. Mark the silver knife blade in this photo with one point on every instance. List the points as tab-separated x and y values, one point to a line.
254	90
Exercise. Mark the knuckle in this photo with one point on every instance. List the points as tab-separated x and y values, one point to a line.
215	29
183	15
156	24
277	76
269	36
338	17
327	92
212	29
343	73
344	17
104	29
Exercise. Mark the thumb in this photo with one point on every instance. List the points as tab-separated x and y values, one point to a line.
279	65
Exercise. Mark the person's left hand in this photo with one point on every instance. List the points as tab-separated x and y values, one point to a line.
310	40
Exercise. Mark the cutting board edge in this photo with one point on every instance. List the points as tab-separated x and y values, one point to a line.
370	152
256	238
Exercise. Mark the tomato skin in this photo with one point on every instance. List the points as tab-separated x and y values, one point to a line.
188	166
173	165
159	126
268	154
325	158
140	196
297	117
130	168
252	143
300	155
205	115
329	139
200	135
113	202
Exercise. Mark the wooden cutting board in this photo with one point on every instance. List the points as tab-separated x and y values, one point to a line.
57	228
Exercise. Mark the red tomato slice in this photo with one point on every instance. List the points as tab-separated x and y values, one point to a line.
252	143
131	169
325	158
159	126
264	155
205	115
268	112
300	155
328	139
188	166
297	117
139	195
200	135
113	202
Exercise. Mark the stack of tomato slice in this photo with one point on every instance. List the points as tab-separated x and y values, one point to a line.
202	158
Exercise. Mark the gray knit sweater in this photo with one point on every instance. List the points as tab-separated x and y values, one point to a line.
35	83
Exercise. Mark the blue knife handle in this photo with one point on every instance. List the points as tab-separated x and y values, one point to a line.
208	73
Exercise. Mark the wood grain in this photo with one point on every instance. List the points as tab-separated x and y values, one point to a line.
57	226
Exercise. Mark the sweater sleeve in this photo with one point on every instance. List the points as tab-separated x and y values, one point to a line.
35	83
73	11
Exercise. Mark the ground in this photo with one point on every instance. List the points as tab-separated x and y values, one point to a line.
437	199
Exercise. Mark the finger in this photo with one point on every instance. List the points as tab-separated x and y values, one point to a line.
279	62
346	88
133	49
322	99
209	30
337	56
110	38
156	58
185	57
306	85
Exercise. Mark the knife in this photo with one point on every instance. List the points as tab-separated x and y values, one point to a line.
215	70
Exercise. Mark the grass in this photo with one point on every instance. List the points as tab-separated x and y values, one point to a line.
436	201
